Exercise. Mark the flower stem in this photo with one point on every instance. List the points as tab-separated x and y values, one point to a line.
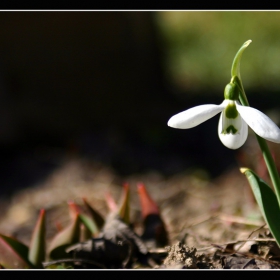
271	167
274	175
236	78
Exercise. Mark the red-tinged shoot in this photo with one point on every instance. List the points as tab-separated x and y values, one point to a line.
154	232
95	215
148	205
111	203
124	207
64	238
74	209
37	246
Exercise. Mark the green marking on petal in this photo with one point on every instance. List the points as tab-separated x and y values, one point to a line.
230	111
231	119
231	129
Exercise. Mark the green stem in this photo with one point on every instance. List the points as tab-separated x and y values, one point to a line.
273	173
236	78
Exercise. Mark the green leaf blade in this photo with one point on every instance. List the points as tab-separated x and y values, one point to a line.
89	224
37	246
64	238
13	254
99	220
267	202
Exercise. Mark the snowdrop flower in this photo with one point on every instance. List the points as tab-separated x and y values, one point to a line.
234	120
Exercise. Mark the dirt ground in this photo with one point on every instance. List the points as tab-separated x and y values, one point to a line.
215	223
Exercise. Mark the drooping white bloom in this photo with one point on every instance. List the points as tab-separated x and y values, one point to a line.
233	123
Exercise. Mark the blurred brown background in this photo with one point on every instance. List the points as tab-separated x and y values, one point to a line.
97	85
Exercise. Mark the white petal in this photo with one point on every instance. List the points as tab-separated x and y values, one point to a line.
233	141
260	123
196	115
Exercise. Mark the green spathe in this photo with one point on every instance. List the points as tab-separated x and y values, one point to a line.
235	69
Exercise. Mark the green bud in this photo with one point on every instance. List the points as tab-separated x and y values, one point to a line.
231	92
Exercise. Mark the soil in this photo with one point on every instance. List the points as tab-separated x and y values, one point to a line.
211	223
